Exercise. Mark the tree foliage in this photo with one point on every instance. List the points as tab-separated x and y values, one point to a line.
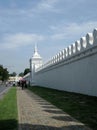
26	71
4	74
13	74
21	74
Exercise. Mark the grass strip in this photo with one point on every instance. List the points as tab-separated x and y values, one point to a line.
8	111
79	106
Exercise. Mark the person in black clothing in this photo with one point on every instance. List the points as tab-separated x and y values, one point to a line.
22	84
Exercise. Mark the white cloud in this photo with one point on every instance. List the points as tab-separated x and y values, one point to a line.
11	41
66	32
41	6
48	5
72	30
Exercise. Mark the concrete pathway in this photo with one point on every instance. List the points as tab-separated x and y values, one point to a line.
3	90
37	114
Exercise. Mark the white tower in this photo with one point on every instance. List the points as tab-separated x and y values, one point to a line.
35	62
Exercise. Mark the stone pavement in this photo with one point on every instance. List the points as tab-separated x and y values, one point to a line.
37	114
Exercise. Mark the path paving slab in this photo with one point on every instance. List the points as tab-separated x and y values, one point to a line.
35	113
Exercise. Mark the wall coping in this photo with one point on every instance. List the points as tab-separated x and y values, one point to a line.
82	48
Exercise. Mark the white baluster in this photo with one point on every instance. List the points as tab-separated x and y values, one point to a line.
66	50
70	50
74	48
78	46
95	36
90	39
83	42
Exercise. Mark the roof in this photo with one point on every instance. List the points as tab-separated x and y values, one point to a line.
36	54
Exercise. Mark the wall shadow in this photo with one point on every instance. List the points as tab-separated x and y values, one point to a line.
46	127
49	107
10	124
44	103
55	111
63	118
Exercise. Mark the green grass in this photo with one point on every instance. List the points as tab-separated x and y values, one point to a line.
81	107
8	111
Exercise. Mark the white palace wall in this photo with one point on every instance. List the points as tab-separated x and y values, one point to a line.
74	69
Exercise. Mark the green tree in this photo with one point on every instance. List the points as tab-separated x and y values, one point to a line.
21	74
13	74
1	71
4	74
26	71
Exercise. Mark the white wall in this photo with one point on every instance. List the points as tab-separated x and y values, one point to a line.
74	69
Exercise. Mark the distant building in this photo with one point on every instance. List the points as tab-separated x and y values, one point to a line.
14	78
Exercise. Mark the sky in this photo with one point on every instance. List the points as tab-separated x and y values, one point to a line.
52	24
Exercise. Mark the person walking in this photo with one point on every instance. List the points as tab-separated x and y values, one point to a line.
22	83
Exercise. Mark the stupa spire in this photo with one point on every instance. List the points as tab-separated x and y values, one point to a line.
35	49
36	54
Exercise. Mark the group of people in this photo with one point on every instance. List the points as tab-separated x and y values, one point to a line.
22	83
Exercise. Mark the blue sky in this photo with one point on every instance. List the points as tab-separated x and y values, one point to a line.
52	24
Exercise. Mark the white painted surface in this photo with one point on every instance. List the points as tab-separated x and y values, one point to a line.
74	69
35	62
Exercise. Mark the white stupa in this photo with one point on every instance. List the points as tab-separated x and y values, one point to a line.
36	58
35	62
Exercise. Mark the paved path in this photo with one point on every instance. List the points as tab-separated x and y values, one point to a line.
37	114
3	90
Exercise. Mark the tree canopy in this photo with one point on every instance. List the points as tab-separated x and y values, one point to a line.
13	74
21	74
4	74
26	71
